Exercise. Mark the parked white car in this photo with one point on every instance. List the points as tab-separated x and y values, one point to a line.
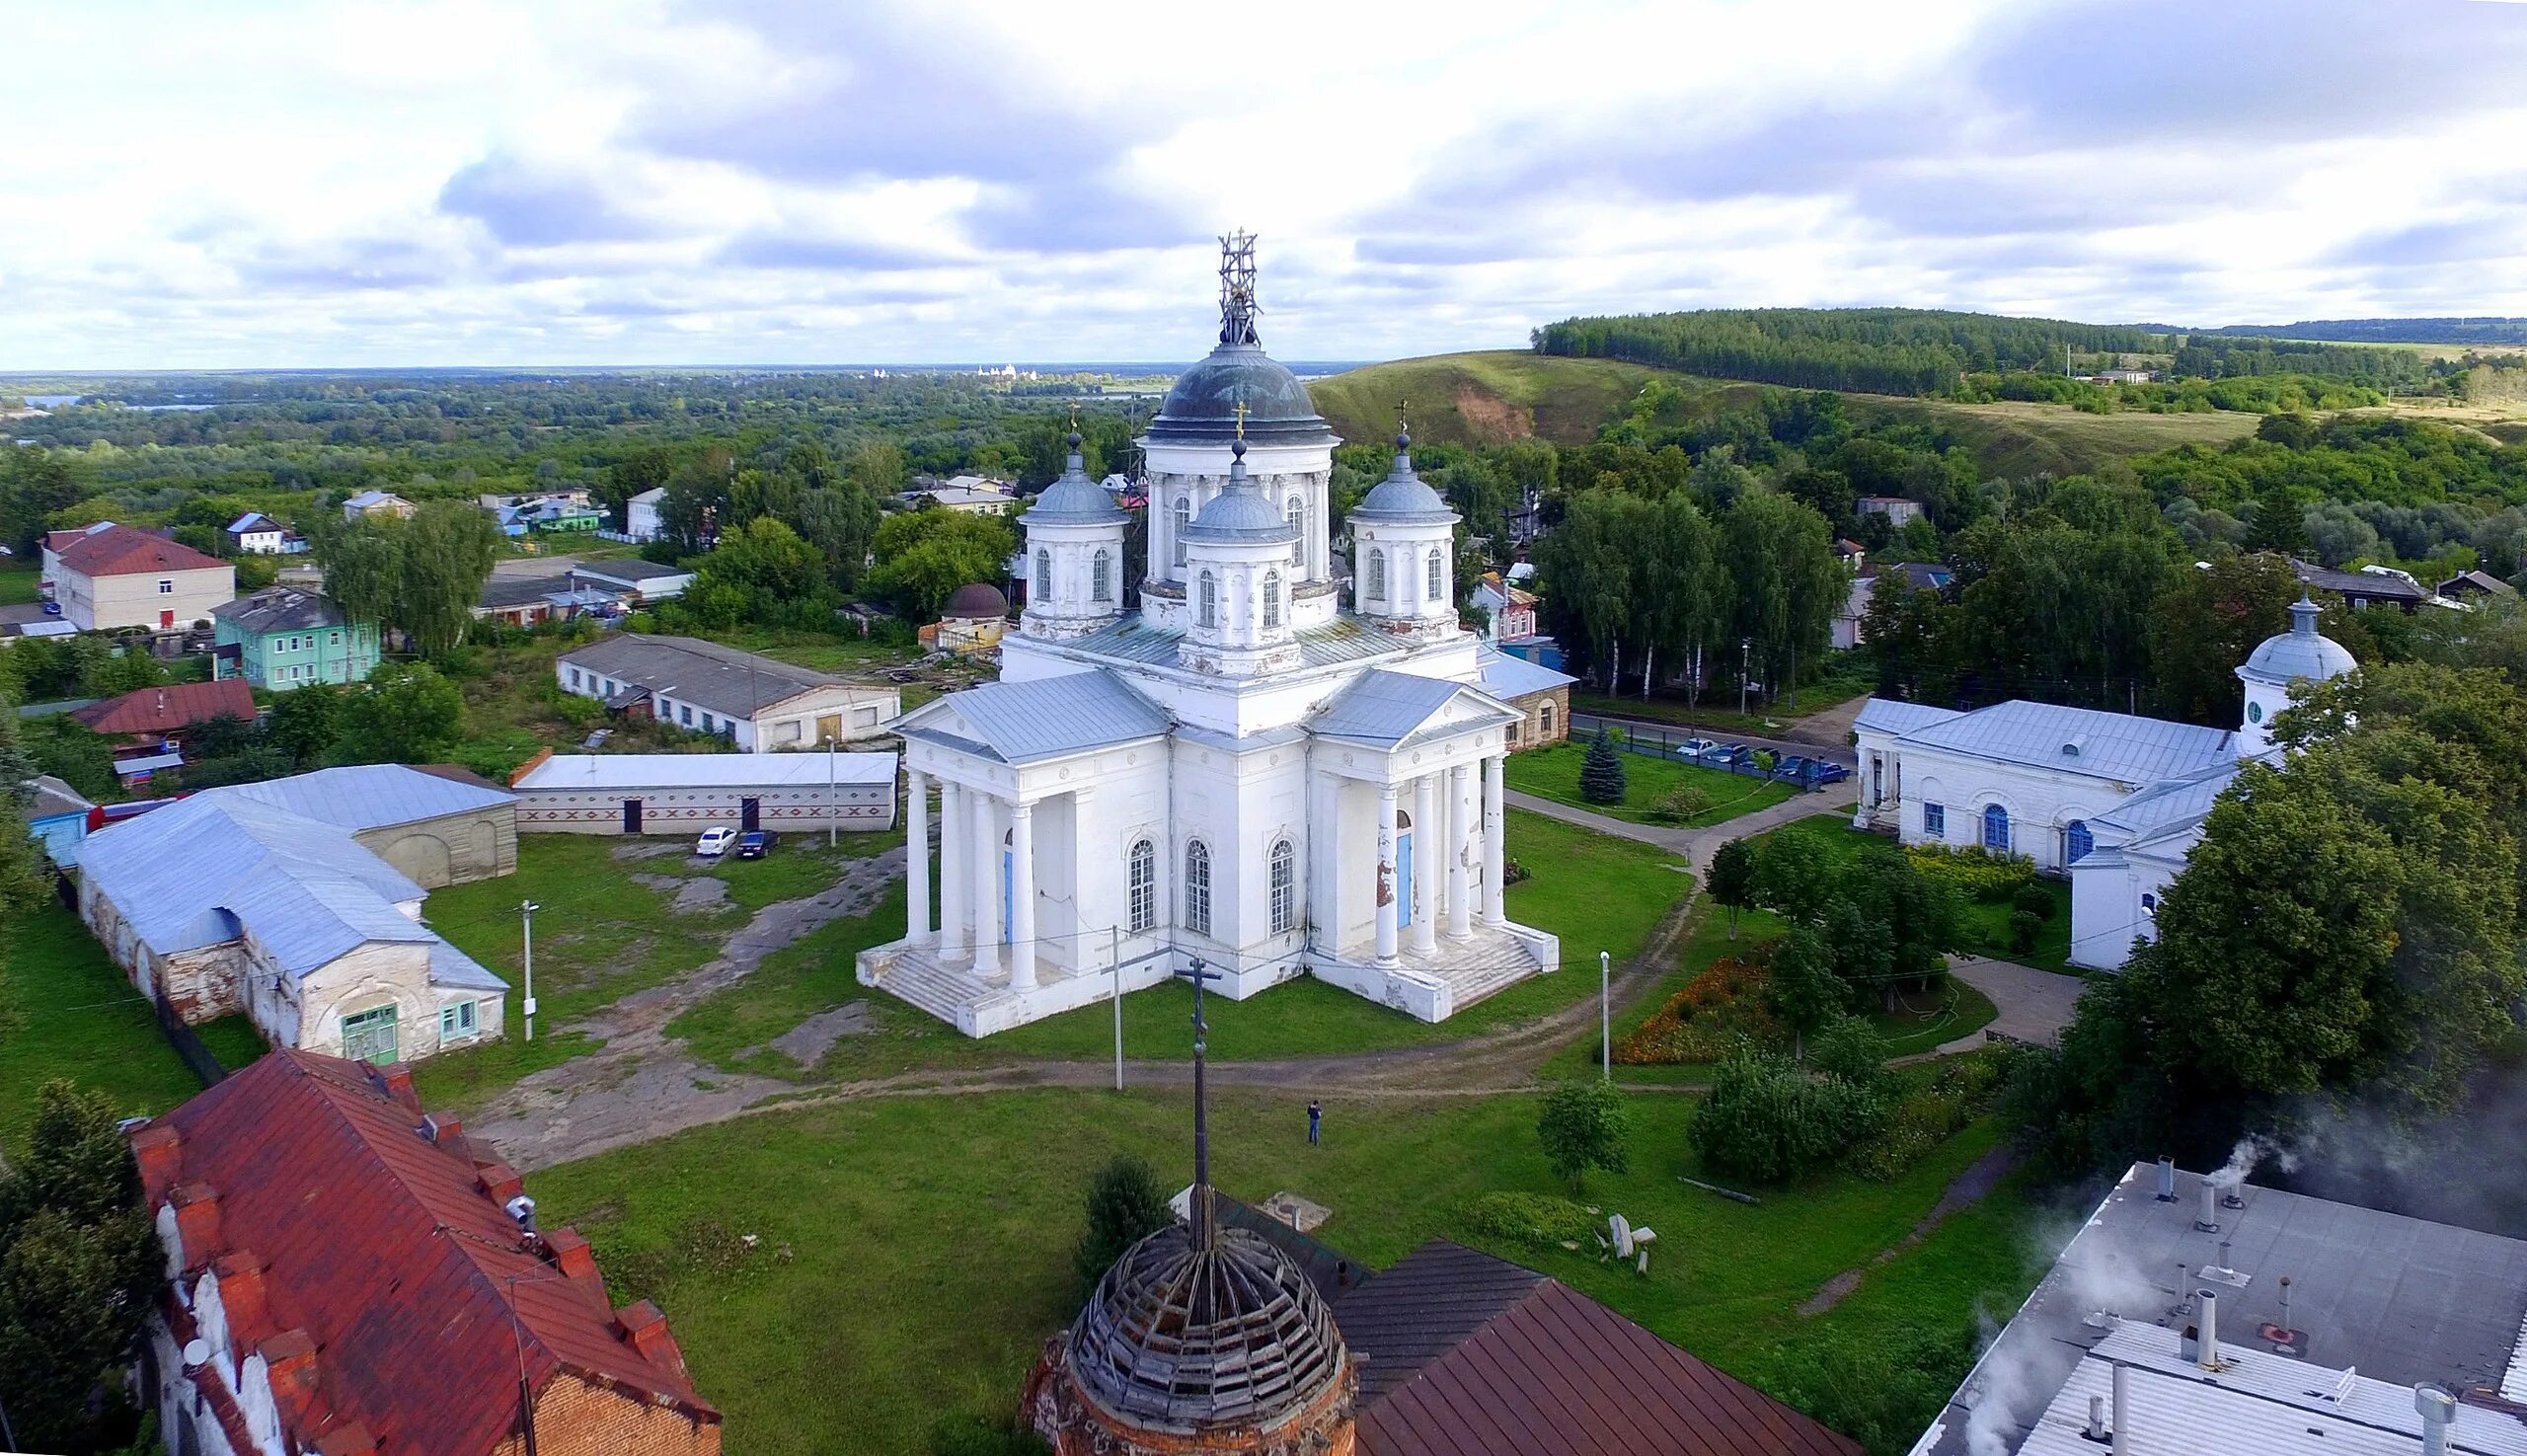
1694	748
714	842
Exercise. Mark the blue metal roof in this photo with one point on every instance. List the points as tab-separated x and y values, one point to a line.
1893	716
370	795
1387	708
1344	639
1403	498
1041	718
2079	740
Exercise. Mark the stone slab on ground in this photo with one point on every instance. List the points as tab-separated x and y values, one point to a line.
1304	1214
807	1042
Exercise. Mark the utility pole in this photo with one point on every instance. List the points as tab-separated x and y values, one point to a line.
1116	932
1606	1014
526	922
833	830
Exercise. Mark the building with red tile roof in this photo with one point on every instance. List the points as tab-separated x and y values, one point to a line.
110	577
148	726
352	1276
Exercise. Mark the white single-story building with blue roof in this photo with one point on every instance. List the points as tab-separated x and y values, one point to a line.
2113	800
277	901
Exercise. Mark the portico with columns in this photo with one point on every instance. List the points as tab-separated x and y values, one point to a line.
1242	770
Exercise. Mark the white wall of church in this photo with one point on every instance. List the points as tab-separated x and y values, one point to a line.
2041	805
2109	909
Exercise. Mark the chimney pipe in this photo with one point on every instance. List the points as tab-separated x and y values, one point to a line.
2438	1412
2208	1354
2097	1418
2208	1220
2166	1180
2122	1410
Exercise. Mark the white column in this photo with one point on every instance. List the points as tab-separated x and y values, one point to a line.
1429	846
1388	888
956	866
1460	850
1320	908
917	858
1494	840
986	886
1022	896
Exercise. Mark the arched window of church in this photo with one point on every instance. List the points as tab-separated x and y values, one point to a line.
1043	587
1297	513
1197	887
1377	575
1210	600
2076	841
1184	519
1285	886
1996	828
1431	587
1144	884
1100	577
1271	600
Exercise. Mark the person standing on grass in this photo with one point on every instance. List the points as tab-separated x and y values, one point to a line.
1315	1119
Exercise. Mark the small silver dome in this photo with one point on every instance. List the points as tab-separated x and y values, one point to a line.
1240	515
1075	500
1403	498
2299	652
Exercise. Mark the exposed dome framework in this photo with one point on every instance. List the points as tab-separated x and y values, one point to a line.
1188	1338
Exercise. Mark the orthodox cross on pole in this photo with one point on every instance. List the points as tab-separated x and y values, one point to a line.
1205	1223
1240	419
1237	288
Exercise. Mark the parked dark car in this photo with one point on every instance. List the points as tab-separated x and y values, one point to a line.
755	844
1794	766
1828	772
1730	755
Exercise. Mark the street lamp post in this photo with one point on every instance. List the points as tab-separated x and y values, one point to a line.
1745	666
526	922
1606	1014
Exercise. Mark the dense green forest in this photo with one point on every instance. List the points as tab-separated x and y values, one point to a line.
1879	351
2484	330
1986	356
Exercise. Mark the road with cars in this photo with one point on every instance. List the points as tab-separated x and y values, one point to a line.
1583	723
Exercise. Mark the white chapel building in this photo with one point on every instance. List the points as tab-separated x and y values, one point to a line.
2114	801
1249	770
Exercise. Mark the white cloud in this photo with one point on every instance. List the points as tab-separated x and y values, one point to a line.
788	181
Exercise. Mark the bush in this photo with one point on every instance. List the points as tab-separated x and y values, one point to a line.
2033	899
1767	1119
1602	774
1681	804
1584	1126
1976	872
2025	927
1125	1204
1539	1220
1883	1385
1714	1016
1933	1105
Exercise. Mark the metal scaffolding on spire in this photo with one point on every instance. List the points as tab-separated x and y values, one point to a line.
1237	290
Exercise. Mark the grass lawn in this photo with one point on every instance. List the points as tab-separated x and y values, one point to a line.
17	583
913	1254
85	1021
842	654
601	936
1553	773
1596	891
1985	925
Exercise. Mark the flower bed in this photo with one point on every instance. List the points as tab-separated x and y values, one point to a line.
1716	1012
1977	873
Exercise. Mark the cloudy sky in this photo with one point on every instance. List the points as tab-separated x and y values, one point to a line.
513	182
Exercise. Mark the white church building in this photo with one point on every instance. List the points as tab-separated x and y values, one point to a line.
1250	769
2114	801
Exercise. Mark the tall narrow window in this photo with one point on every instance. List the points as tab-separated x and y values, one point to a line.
1285	890
1271	600
1431	587
1043	587
1100	577
1377	575
1297	515
1210	600
1144	885
1197	887
1184	519
2077	841
1996	828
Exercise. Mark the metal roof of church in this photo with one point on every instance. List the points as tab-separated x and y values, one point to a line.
1895	716
1135	639
2078	740
1042	718
1382	706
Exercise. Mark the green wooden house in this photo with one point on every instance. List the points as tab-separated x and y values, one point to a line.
284	638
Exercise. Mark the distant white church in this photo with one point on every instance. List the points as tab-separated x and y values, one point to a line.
2115	802
1250	769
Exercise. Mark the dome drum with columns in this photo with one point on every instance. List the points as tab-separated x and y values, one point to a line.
1247	768
2113	801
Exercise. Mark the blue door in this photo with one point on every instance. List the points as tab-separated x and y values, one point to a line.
1008	894
1404	879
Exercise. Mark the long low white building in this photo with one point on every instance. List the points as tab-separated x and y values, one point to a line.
686	792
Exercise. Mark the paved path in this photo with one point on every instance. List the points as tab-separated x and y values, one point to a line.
1696	845
2034	1005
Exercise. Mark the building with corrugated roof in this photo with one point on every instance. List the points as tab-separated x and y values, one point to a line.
758	703
2113	800
1259	767
350	1275
298	902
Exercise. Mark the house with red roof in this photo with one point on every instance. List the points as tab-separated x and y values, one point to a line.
352	1276
148	726
109	576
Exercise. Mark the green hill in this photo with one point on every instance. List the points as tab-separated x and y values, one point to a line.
1487	399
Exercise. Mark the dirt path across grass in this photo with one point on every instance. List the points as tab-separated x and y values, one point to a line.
1964	1192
